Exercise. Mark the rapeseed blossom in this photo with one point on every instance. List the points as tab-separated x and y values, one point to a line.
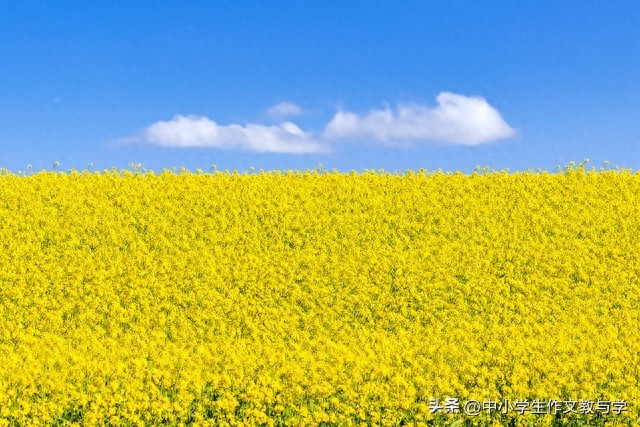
315	297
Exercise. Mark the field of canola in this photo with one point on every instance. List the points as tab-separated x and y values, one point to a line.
316	297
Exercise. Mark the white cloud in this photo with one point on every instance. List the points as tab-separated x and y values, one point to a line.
195	131
457	119
284	109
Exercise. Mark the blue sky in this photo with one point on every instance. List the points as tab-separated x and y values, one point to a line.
445	84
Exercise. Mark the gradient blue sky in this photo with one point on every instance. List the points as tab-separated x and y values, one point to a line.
77	77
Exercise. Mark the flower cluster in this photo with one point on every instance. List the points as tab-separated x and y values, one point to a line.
316	297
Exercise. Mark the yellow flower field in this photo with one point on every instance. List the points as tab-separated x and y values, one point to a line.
316	297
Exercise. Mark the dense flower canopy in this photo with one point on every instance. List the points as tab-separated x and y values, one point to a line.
302	297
